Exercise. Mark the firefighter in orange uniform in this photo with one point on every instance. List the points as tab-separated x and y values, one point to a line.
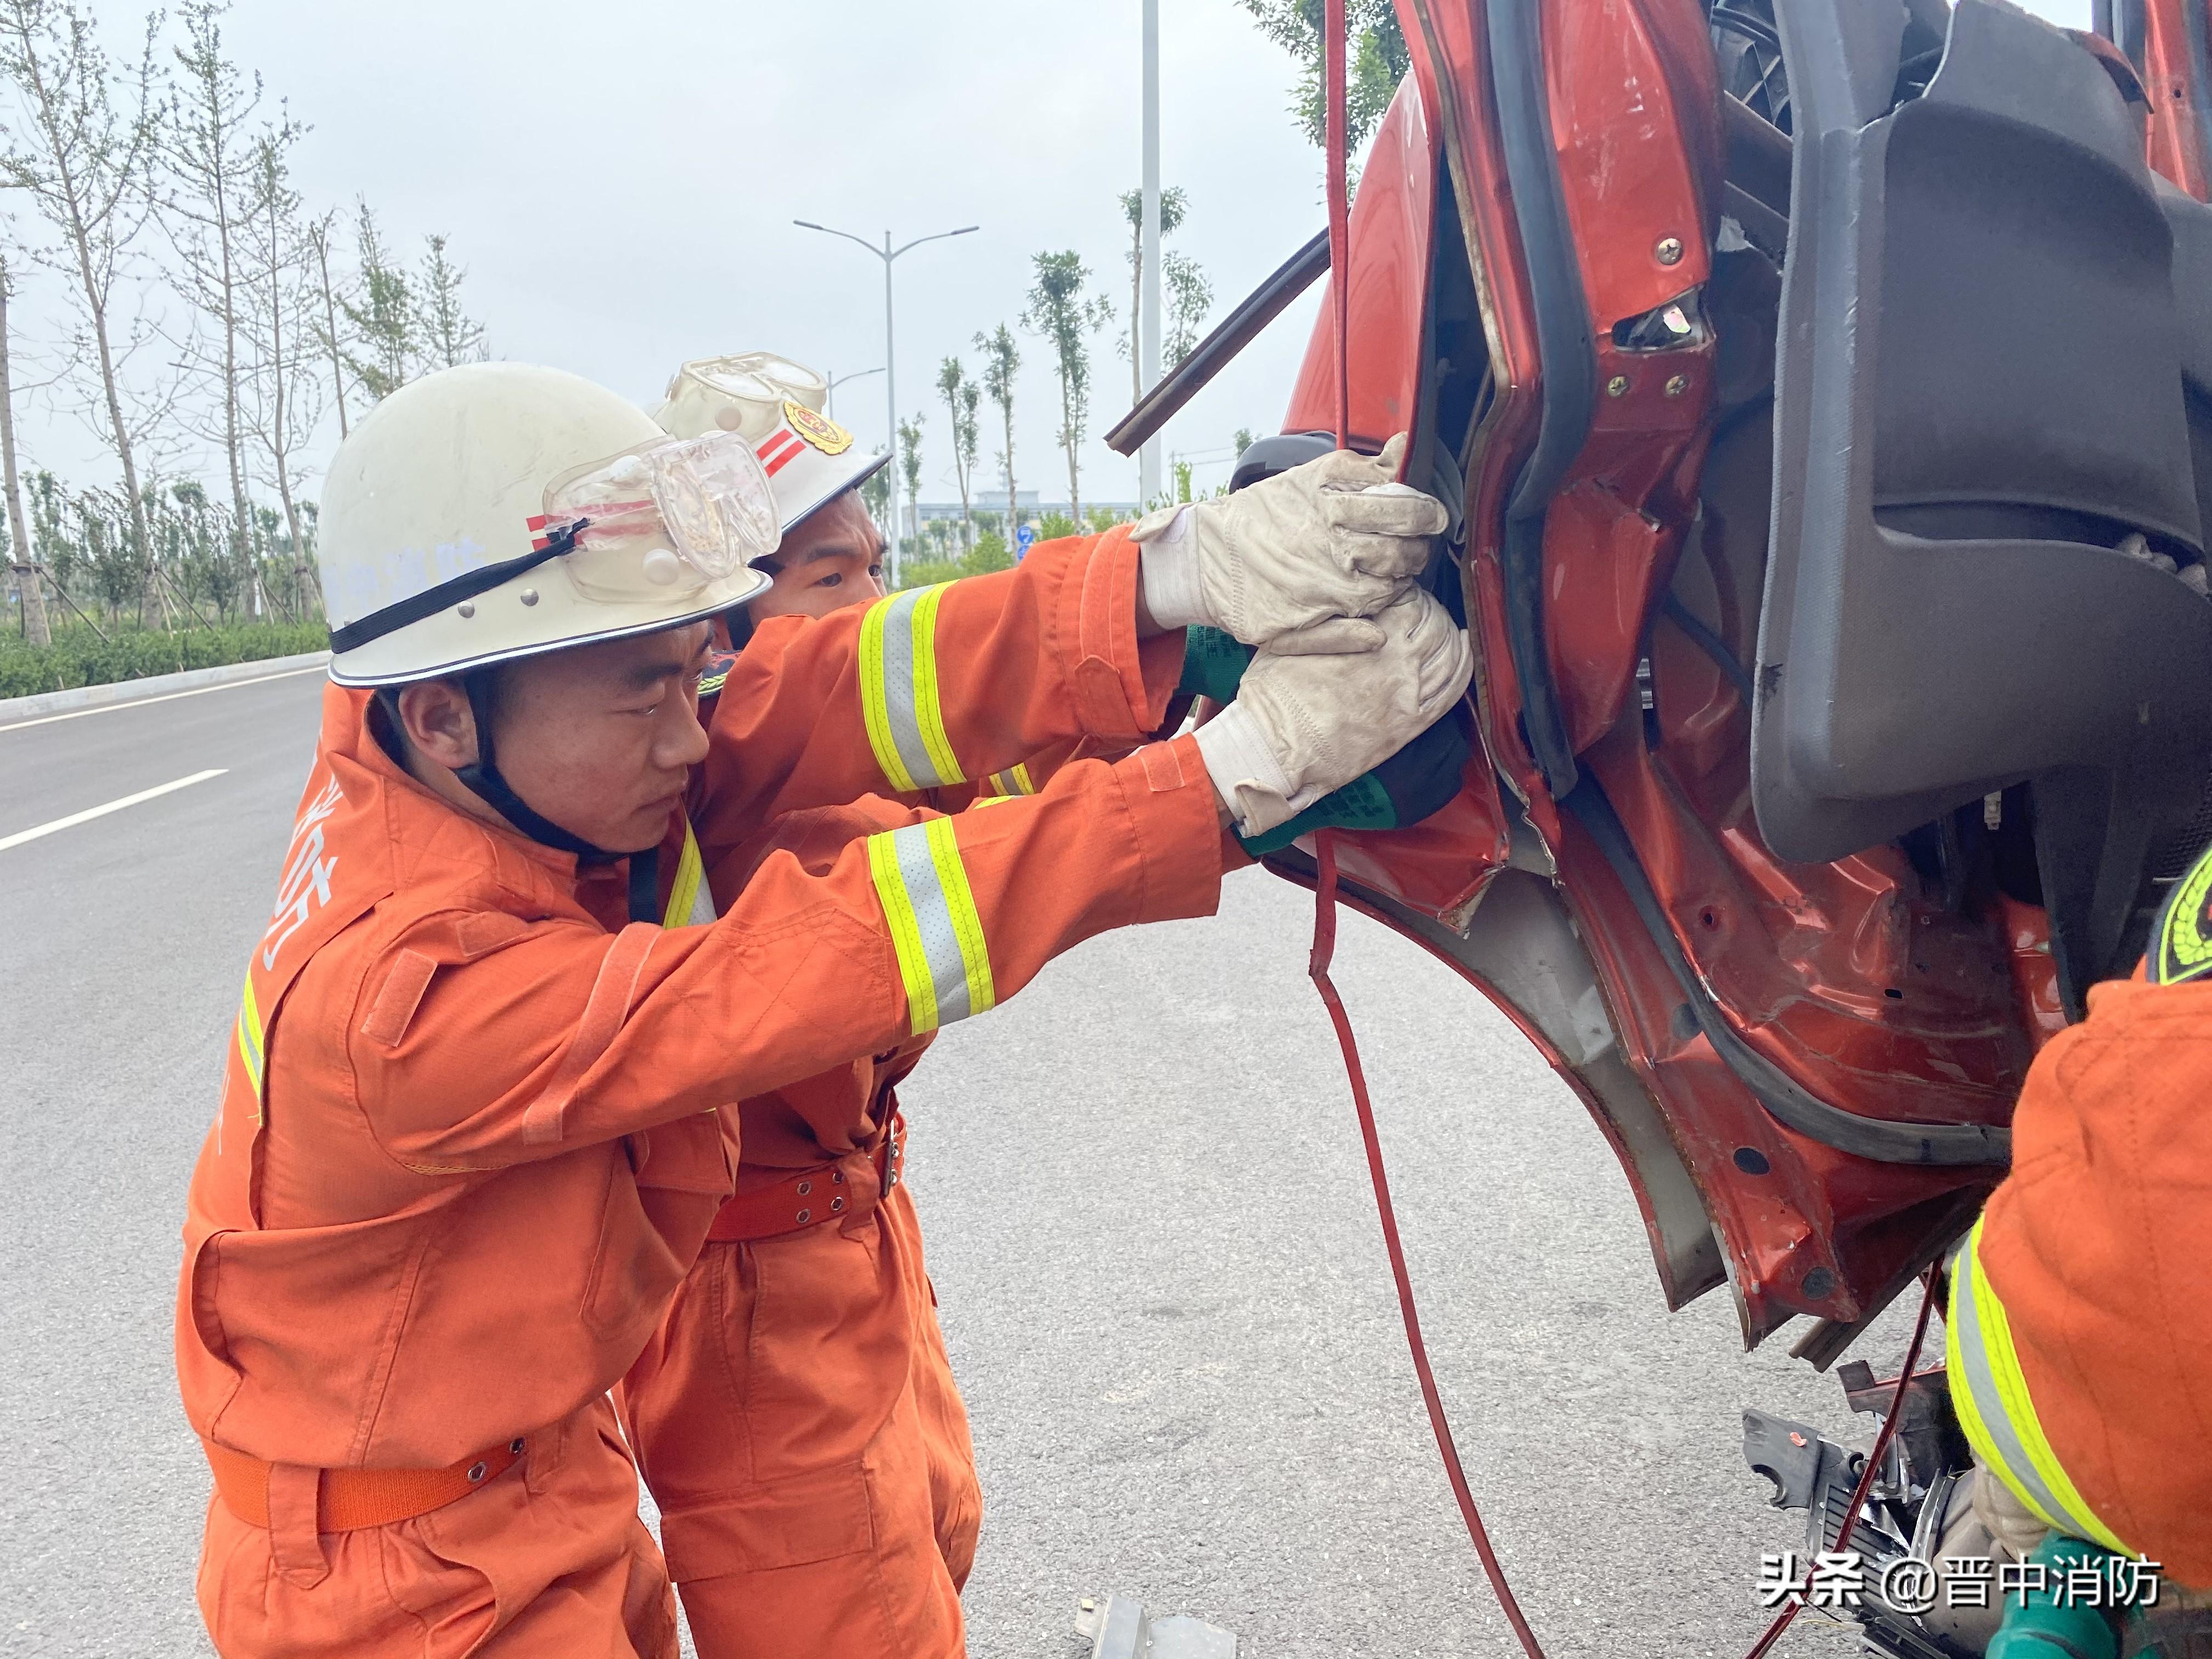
832	554
2079	1328
716	1411
478	1115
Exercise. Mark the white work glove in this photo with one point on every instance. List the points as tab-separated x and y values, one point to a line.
1334	538
1323	706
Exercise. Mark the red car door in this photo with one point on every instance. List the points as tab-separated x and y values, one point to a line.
1817	774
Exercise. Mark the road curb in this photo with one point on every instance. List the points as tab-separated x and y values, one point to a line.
192	679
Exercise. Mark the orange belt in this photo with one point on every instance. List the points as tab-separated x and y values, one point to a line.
346	1500
807	1198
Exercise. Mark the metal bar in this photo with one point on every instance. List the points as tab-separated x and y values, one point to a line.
1238	329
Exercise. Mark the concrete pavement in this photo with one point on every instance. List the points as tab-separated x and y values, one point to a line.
1149	1227
122	943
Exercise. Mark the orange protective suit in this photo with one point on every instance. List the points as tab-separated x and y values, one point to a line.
474	1127
796	1416
750	1423
2079	1335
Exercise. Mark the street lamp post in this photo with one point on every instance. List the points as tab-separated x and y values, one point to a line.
832	381
887	254
1145	329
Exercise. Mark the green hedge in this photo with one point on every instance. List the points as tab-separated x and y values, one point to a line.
988	554
80	657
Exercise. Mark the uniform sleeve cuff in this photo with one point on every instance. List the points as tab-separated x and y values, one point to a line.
1167	565
1246	775
1120	685
1178	829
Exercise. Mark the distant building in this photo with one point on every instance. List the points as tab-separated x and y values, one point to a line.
1026	505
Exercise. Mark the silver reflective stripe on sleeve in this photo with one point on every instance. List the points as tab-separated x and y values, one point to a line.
1996	1409
899	691
938	935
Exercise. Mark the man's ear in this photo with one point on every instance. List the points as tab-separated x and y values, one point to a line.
439	722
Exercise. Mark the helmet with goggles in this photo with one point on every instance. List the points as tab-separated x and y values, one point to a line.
776	406
496	511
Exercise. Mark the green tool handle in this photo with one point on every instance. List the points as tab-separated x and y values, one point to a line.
1406	788
2045	1623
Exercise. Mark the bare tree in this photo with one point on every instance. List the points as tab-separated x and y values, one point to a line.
1379	60
1190	296
967	432
318	237
962	397
1002	360
876	495
384	319
910	462
1062	312
449	334
1175	203
284	401
209	159
35	626
83	161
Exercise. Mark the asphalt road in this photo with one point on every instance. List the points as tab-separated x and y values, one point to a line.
1149	1226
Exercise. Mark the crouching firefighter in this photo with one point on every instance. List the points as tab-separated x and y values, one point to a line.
479	1110
2080	1323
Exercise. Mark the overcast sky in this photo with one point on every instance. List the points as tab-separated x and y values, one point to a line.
620	180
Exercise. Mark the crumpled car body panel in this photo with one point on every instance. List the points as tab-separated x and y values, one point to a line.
1574	300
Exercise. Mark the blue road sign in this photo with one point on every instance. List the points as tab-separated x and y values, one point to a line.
1024	539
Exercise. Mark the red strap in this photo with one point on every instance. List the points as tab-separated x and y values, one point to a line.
1335	131
1324	948
809	1197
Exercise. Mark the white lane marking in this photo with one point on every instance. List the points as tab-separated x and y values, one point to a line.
92	812
166	696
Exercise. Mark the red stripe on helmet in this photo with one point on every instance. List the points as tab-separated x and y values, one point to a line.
778	451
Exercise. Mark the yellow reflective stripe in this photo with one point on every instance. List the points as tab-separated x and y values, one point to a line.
1989	1392
2181	948
874	707
943	959
1014	781
906	935
928	710
960	906
900	702
250	1039
689	903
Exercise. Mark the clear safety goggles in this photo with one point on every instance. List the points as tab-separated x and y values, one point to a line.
662	519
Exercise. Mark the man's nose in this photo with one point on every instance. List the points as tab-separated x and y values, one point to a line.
683	739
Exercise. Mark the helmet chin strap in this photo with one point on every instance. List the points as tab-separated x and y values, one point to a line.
481	778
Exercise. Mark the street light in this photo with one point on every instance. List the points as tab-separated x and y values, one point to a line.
1145	327
833	381
887	254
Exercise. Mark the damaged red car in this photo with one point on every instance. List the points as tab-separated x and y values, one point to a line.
1822	390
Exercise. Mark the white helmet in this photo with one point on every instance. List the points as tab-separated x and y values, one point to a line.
776	405
497	510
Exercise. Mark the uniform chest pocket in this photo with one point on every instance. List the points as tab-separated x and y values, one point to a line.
663	1186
